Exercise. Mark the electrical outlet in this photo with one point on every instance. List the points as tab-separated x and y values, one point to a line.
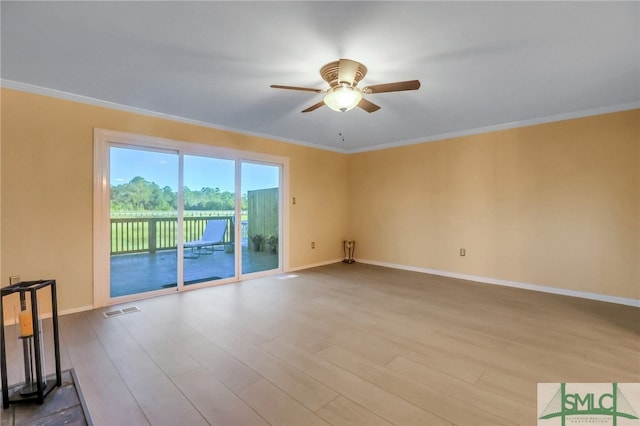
313	244
463	252
14	279
293	200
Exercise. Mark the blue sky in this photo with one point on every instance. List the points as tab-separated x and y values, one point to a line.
200	172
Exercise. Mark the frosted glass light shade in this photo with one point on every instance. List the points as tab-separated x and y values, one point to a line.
342	98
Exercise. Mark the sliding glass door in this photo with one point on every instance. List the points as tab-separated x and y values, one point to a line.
261	217
173	215
143	214
209	219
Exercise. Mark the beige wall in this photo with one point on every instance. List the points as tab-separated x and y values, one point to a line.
555	204
47	188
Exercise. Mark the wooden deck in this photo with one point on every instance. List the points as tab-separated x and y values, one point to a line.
143	272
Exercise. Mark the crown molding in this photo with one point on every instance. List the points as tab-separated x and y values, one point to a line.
504	126
59	94
10	84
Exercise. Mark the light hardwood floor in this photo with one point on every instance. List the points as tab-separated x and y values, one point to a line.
345	345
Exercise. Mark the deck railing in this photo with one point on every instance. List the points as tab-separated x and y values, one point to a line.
150	234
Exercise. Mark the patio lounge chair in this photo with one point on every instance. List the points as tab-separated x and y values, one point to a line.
212	236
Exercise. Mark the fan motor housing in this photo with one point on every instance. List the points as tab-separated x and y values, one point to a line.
329	73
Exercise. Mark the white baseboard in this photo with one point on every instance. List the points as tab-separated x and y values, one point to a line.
535	287
11	321
476	278
75	310
314	265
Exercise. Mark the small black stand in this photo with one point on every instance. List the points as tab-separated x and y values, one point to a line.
349	248
34	391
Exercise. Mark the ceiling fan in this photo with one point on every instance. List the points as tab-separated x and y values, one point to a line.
343	94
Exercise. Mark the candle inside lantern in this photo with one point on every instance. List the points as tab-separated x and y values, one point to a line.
26	323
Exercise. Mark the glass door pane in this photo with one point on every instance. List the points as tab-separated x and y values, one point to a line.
209	219
143	215
260	217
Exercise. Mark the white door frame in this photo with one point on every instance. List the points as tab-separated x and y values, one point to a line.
104	139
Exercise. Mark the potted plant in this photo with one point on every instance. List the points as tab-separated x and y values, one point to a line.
272	242
258	241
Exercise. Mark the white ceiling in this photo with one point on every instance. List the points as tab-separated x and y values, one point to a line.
483	65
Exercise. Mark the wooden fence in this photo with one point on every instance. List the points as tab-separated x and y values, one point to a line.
137	235
263	214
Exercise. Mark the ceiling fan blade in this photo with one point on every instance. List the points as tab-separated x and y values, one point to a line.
393	87
347	70
314	107
305	89
368	106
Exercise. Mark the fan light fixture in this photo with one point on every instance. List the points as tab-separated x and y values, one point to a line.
343	94
343	98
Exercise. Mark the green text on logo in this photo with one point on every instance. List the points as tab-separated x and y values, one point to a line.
565	404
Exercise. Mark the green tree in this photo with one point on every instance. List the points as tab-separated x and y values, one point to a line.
141	195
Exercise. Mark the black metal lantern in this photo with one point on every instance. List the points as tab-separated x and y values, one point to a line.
30	336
